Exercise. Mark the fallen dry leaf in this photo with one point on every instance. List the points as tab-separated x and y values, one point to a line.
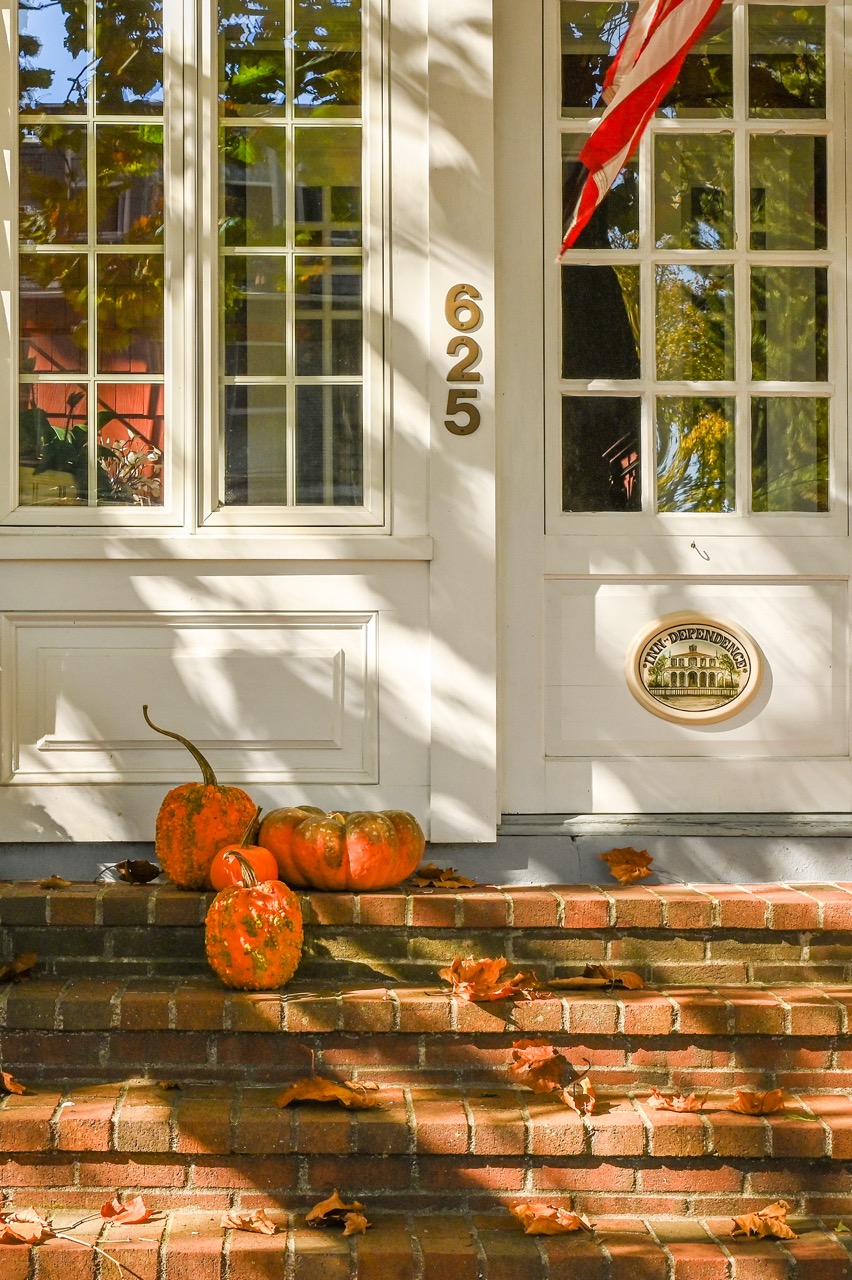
540	1219
331	1211
358	1097
441	878
757	1104
841	1228
473	979
627	865
539	1066
169	1084
24	1226
18	968
769	1221
581	1096
134	1210
136	870
676	1101
8	1084
598	975
256	1221
54	882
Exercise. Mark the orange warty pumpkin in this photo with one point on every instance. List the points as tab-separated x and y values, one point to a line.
196	820
225	868
253	933
354	851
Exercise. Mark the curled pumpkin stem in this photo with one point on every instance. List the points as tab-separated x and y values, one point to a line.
207	773
249	877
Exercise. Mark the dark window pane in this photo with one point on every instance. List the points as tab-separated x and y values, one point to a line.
696	467
255	315
52	450
328	316
328	186
591	34
786	61
130	444
329	446
255	445
789	453
788	192
252	186
53	290
601	453
705	83
789	324
52	184
600	322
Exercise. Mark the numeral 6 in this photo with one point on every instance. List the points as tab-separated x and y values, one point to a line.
455	405
460	308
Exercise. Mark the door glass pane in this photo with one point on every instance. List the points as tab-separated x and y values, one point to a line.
789	453
328	58
254	293
694	191
129	50
53	463
591	34
53	292
600	322
788	192
786	61
789	318
252	186
705	82
615	222
329	445
695	323
255	445
696	468
601	453
328	316
253	39
130	313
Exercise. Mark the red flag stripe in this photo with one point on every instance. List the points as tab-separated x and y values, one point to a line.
669	33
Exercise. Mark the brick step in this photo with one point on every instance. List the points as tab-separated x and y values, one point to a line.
683	1038
193	1245
683	934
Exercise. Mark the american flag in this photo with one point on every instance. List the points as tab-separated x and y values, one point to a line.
641	74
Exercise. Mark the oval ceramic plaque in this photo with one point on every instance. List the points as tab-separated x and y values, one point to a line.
693	669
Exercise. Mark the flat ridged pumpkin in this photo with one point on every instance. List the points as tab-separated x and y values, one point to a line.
196	820
343	851
253	933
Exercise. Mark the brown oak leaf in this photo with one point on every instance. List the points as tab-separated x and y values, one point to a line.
54	882
539	1066
134	1210
24	1226
598	975
331	1211
8	1084
137	870
676	1101
473	979
18	968
355	1096
581	1096
541	1219
757	1104
769	1221
256	1221
441	877
627	865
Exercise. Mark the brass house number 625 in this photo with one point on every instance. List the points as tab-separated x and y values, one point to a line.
464	315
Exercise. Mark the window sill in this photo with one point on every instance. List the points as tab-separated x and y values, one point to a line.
50	544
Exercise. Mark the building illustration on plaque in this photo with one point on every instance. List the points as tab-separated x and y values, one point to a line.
693	669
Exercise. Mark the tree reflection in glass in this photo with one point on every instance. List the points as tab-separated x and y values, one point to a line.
695	323
786	61
696	464
789	453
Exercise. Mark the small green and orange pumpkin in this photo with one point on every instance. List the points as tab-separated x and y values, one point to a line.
343	851
253	933
196	820
226	867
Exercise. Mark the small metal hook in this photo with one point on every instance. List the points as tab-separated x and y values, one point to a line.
703	554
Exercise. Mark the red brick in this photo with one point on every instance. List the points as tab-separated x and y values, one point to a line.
684	907
583	907
591	1015
328	908
818	1258
382	1132
538	1017
262	1129
674	1133
319	1255
646	1013
202	1122
385	1252
509	1255
319	1129
87	1004
26	1128
86	1125
145	1010
788	909
200	1008
35	1172
811	1013
255	1011
382	908
693	1260
65	907
371	1010
756	1012
16	1262
498	1125
555	1130
140	1256
533	908
798	1138
618	1132
465	1174
175	1048
486	909
636	908
256	1257
365	1173
312	1013
574	1256
441	1125
738	908
596	1175
635	1258
194	1248
447	1248
692	1178
423	1010
177	907
434	910
700	1013
738	1135
131	1171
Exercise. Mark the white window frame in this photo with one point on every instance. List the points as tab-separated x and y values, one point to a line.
648	521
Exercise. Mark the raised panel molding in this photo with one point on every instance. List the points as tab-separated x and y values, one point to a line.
268	697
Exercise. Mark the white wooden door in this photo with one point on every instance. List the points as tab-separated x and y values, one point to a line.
673	418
